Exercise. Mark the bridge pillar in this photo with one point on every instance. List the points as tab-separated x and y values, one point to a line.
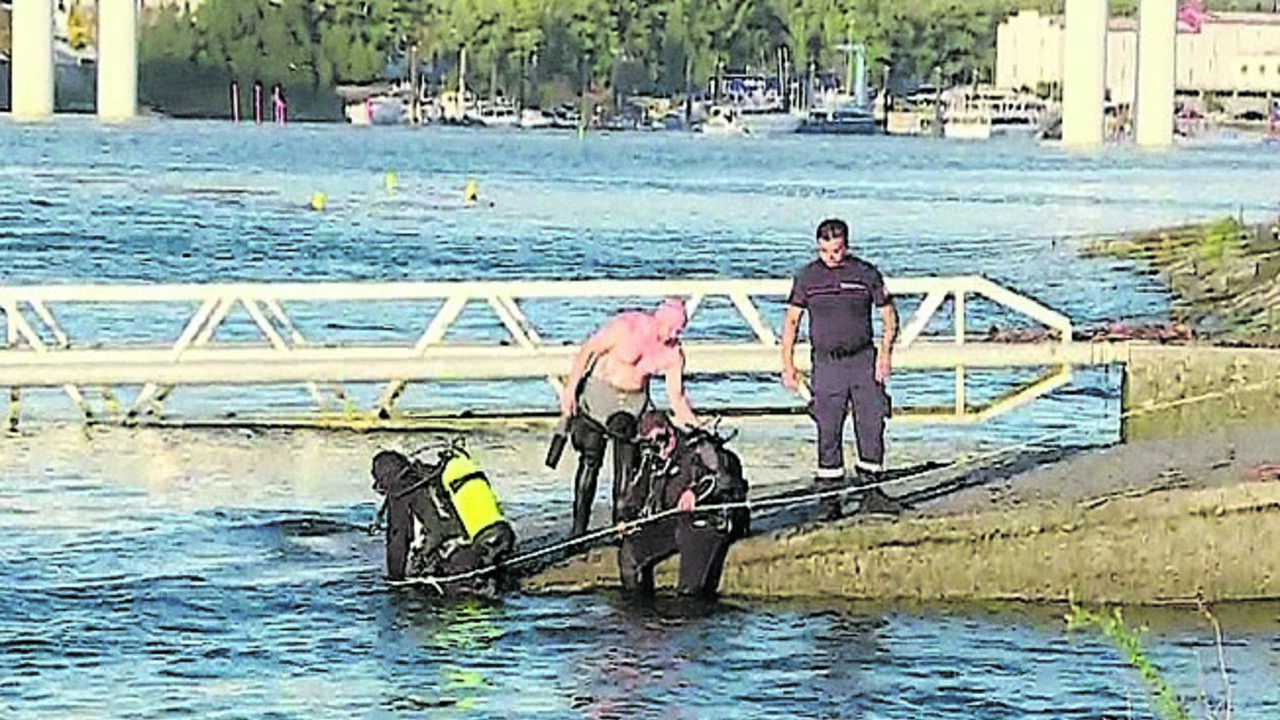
31	67
117	60
1084	70
1157	38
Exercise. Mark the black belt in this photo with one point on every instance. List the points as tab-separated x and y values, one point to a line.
843	353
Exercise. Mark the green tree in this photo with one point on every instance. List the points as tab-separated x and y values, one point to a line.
693	43
167	35
80	29
6	36
355	39
551	48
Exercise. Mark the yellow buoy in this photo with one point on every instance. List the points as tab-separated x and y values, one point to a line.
392	181
318	201
472	193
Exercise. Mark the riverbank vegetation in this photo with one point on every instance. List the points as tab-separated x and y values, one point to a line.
1164	699
1225	274
545	50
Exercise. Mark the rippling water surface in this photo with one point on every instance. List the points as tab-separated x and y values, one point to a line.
224	574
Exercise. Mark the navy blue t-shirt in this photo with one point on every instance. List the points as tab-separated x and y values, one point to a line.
839	302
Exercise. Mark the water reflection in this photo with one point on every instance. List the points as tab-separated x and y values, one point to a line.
442	653
658	660
848	650
150	573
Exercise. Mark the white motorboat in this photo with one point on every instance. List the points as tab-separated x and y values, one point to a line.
722	120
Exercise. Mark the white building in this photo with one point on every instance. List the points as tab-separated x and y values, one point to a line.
1235	56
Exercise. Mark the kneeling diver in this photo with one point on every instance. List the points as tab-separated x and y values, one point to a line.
442	519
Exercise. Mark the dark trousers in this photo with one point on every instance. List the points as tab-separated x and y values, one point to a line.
590	439
837	383
702	551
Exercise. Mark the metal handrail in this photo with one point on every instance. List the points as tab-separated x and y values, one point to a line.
288	356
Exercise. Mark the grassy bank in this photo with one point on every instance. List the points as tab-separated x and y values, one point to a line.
1223	274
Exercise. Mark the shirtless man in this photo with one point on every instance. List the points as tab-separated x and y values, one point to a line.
608	388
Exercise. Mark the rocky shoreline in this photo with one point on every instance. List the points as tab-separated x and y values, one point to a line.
1223	275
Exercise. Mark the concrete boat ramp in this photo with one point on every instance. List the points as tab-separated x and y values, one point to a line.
785	509
1145	522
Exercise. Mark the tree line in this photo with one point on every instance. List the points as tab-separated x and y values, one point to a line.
545	51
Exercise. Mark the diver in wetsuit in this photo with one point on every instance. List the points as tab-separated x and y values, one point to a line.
682	471
442	519
607	390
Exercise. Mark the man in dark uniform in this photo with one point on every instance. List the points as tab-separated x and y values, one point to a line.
839	291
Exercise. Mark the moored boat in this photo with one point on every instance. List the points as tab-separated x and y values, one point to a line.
849	120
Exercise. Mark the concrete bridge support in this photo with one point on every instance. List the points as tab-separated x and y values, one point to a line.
1157	38
32	62
1084	71
117	60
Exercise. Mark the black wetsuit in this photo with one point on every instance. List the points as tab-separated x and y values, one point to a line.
605	413
414	491
702	539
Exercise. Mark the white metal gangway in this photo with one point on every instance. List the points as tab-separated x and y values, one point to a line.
41	352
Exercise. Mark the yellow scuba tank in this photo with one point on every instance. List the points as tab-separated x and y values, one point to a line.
473	498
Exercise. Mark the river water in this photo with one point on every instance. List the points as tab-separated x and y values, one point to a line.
156	573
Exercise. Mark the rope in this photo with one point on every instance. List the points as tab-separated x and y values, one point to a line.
1169	404
625	528
787	500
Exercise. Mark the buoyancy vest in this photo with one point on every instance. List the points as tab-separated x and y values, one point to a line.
714	473
473	498
715	477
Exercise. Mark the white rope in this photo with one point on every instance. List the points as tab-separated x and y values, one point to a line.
787	500
626	528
